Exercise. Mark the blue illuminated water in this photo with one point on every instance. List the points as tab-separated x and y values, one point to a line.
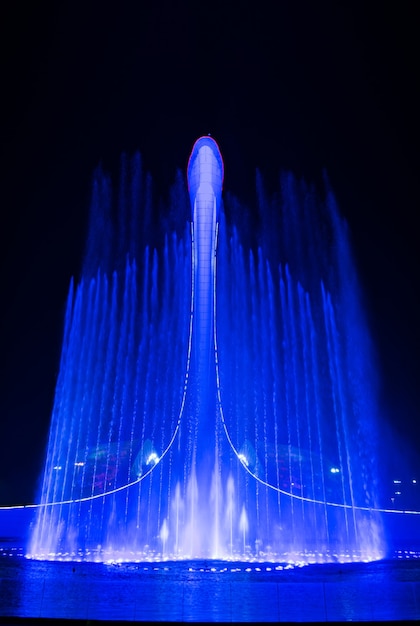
208	591
271	453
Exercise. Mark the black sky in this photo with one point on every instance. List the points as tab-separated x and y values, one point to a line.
301	86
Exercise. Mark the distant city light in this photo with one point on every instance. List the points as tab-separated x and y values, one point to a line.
397	482
334	470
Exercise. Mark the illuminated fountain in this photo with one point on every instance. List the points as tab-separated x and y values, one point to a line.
212	401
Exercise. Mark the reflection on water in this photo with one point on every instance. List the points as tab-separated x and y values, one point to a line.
210	590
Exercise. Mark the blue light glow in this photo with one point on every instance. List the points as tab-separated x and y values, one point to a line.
212	402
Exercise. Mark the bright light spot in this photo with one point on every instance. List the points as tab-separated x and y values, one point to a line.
243	459
414	481
334	470
152	458
57	467
397	482
79	464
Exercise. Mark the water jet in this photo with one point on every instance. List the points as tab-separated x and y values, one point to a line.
213	401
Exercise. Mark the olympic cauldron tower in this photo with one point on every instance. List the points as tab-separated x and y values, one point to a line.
209	404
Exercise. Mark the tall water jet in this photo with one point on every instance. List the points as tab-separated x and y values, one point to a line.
212	401
205	179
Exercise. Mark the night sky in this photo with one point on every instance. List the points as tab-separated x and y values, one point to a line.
300	86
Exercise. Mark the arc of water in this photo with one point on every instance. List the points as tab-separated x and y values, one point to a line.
174	434
262	481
